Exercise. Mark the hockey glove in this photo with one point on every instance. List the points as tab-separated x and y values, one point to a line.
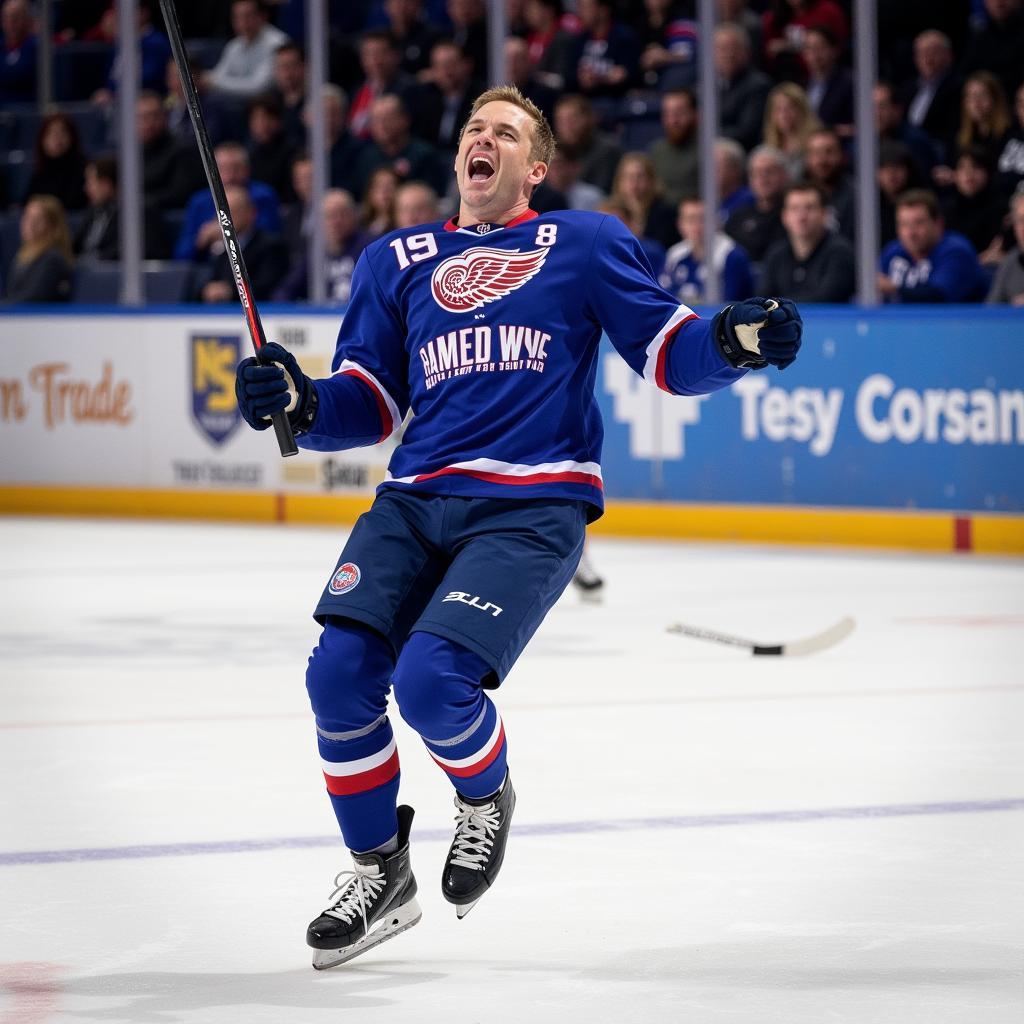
759	331
274	384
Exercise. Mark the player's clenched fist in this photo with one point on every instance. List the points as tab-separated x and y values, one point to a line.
275	384
759	331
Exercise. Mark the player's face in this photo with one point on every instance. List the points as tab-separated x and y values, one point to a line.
493	166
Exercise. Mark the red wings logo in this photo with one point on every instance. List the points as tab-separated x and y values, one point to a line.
481	275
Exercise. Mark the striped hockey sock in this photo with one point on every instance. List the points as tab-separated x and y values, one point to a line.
474	760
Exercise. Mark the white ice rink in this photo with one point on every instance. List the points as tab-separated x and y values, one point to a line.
700	836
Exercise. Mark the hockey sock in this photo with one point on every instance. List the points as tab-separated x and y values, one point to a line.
347	680
438	687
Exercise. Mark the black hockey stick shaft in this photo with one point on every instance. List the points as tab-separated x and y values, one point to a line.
282	428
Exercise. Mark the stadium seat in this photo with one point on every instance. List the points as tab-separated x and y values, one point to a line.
166	281
79	69
93	125
96	282
17	170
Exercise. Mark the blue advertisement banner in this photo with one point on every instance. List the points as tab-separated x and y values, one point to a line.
897	408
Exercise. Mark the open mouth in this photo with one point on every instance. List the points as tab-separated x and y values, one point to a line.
480	168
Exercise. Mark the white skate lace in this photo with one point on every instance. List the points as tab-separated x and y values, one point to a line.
361	887
475	828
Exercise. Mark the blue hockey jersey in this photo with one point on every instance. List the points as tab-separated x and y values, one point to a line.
490	335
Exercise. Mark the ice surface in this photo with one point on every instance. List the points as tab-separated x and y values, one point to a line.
700	835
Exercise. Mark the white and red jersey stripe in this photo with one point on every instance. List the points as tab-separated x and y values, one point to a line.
475	763
515	474
390	417
347	777
657	350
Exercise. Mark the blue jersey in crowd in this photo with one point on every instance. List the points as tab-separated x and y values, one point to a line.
949	273
490	334
686	277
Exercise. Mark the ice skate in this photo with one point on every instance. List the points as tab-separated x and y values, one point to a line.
474	860
375	903
587	581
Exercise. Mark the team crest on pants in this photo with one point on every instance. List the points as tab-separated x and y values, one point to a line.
481	275
346	578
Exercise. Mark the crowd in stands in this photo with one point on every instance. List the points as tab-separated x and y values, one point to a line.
617	79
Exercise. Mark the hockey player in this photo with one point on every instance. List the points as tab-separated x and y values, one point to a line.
487	328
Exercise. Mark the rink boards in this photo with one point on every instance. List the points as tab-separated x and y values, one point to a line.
901	427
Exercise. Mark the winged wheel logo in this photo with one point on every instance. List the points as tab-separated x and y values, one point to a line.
482	275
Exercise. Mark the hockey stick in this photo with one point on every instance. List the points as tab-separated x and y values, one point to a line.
282	428
809	645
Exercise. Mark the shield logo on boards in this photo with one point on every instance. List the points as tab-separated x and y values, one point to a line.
212	366
345	578
480	275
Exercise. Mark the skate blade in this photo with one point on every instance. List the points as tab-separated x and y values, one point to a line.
462	909
394	924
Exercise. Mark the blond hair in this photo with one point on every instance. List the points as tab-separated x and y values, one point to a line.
807	122
543	145
57	235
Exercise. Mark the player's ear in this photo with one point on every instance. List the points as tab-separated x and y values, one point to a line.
538	172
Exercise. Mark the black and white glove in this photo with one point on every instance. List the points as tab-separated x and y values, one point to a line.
757	331
275	384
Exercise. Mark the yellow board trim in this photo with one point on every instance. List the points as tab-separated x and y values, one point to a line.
987	533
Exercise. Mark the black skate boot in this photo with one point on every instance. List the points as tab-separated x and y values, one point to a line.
587	581
376	903
474	860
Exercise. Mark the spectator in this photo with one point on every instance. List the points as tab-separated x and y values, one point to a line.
973	207
826	168
58	167
246	67
343	148
171	169
893	128
290	86
758	225
1011	159
414	36
469	32
297	214
344	241
829	85
685	273
577	136
785	25
742	89
985	115
926	263
392	145
562	189
897	173
178	118
729	166
416	203
1008	286
811	263
653	251
266	258
668	40
931	100
636	186
789	123
997	45
444	104
20	53
41	271
271	152
519	72
382	76
674	155
154	53
606	58
738	12
550	46
378	209
200	233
